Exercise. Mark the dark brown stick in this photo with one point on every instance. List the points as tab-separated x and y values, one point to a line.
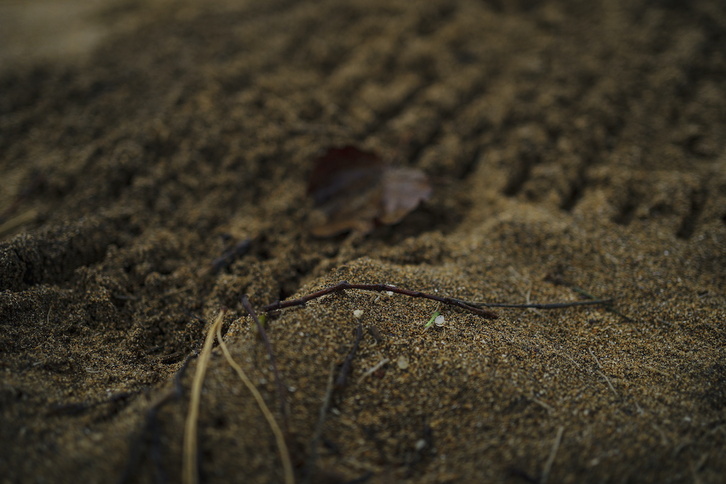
608	307
546	306
345	368
230	255
341	286
152	429
309	469
281	392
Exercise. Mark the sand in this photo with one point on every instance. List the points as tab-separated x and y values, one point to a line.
576	150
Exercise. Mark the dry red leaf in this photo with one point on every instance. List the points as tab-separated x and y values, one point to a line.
356	190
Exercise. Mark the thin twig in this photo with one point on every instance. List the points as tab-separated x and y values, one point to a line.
543	404
281	391
551	458
77	408
318	433
279	438
602	373
345	368
151	427
190	469
608	307
546	306
373	369
342	286
229	256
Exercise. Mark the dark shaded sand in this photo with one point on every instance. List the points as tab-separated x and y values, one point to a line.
575	147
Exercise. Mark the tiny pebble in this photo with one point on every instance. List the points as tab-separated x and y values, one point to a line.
439	321
358	313
402	362
420	445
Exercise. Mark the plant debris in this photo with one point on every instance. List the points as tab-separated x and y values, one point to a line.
356	190
344	285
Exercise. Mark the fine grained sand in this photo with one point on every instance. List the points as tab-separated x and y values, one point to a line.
576	148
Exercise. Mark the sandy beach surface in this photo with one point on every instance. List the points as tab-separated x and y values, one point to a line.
155	157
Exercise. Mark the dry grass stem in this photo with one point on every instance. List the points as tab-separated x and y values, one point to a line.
551	458
602	373
279	438
190	464
373	369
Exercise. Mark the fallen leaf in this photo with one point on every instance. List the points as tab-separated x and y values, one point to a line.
354	190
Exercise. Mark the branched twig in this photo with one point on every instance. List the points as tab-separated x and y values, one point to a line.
281	392
473	307
342	286
602	373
